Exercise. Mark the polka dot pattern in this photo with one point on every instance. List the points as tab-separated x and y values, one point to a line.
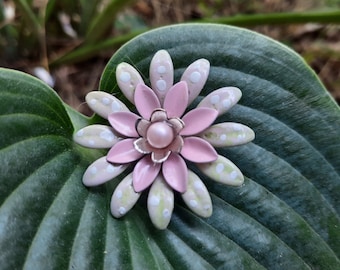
124	197
103	103
197	197
228	134
160	203
101	171
96	136
196	76
128	78
221	99
161	74
223	171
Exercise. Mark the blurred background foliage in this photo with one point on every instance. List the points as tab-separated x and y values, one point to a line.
67	43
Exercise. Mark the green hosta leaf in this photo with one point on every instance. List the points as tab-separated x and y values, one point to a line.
285	216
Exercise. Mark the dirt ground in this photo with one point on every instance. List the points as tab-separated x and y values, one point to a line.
318	44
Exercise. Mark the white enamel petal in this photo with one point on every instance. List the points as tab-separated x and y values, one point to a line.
196	76
124	197
128	78
101	171
96	136
228	134
161	74
221	99
160	203
223	171
197	197
104	103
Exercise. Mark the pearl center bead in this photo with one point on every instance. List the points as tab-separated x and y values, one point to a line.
159	135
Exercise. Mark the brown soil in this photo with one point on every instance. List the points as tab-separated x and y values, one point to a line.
318	44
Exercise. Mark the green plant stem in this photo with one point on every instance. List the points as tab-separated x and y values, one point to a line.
29	16
88	51
88	11
36	24
50	8
278	18
104	20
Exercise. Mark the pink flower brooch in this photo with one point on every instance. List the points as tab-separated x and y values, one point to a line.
161	137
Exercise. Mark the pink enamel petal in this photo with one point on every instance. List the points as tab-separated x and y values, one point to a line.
144	173
198	120
96	136
101	171
142	126
196	76
142	146
124	197
175	172
197	197
198	150
160	203
124	123
123	152
221	99
177	124
160	155
159	115
176	145
161	74
146	101
176	100
103	103
127	79
228	134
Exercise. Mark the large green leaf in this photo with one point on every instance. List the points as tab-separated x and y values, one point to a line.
285	216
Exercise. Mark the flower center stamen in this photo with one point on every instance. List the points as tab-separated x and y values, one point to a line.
159	135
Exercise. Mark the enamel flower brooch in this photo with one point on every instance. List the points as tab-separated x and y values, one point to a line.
160	136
